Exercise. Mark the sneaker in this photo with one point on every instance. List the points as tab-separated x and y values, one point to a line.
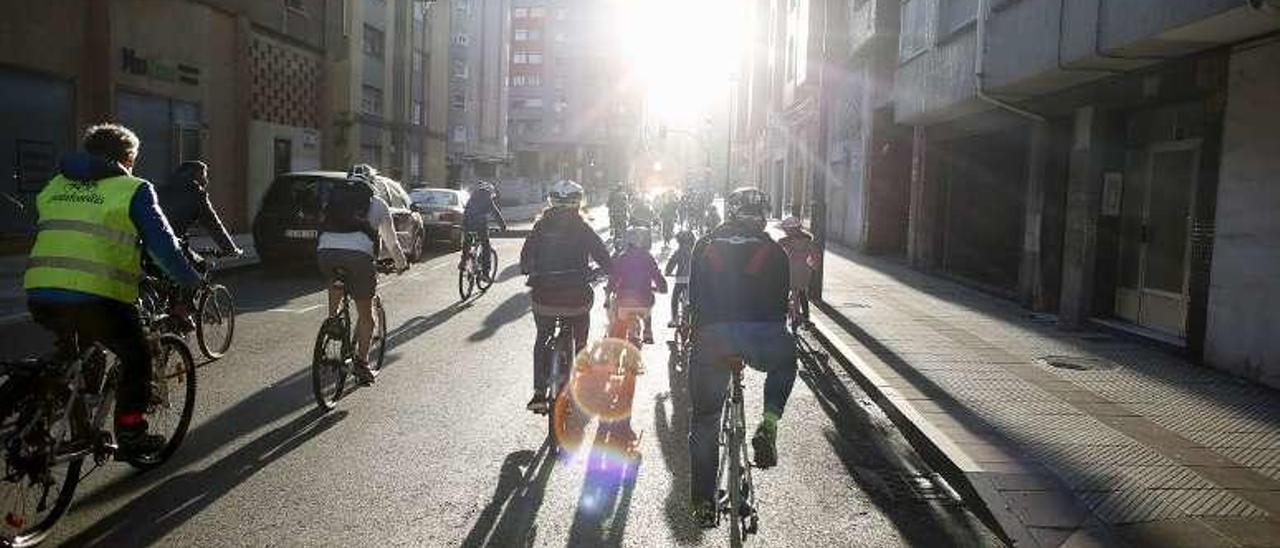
765	445
673	324
362	373
704	514
538	404
136	443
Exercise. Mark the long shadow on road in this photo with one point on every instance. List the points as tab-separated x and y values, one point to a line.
515	307
168	505
604	505
885	467
672	429
508	519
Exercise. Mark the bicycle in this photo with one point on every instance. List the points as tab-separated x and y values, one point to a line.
53	415
682	340
215	313
562	348
736	498
471	275
332	360
797	311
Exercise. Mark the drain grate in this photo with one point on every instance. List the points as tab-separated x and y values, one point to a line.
1077	363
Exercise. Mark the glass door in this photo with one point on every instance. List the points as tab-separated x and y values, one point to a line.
1155	220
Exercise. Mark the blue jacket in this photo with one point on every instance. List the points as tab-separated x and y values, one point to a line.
478	209
157	237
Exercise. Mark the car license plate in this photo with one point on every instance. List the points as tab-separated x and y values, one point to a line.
300	234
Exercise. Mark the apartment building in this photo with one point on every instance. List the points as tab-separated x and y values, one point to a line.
478	71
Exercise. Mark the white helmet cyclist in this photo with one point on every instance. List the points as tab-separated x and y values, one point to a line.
363	173
484	186
566	194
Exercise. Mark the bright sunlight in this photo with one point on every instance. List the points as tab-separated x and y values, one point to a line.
683	52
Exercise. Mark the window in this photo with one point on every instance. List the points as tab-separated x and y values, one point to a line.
416	112
374	41
537	12
459	134
461	39
520	58
915	29
535	58
371	154
461	70
535	34
458	100
521	35
371	100
520	13
415	165
953	15
526	80
534	102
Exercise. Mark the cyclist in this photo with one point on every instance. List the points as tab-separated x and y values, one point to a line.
84	269
711	217
555	256
738	298
632	280
619	208
482	204
356	230
803	257
667	214
642	214
185	203
678	265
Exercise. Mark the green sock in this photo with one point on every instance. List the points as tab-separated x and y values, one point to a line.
771	420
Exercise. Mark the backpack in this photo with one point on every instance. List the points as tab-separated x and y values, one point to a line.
347	210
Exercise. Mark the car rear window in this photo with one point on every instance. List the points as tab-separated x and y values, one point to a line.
292	194
436	198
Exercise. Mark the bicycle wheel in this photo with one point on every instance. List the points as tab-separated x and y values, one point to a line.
36	493
173	398
466	277
736	448
485	280
560	410
378	343
216	312
328	376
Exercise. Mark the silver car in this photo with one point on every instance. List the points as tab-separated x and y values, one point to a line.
441	210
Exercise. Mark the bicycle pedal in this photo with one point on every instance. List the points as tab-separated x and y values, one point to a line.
105	448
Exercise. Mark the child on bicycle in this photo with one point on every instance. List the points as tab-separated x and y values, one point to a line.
803	256
678	265
633	279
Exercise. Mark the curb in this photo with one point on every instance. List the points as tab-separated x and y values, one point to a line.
961	472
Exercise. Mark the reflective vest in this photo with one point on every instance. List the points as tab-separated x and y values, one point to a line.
85	239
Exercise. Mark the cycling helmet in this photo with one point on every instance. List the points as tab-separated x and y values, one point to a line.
685	238
638	237
565	193
484	186
792	222
362	173
747	204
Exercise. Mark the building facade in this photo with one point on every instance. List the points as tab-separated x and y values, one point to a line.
478	70
195	80
1102	160
573	111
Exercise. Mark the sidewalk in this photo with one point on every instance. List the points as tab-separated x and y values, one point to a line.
1118	444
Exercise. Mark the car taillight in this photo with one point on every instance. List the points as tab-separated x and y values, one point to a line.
451	216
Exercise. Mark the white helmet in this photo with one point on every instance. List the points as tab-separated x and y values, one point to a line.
484	186
565	193
363	173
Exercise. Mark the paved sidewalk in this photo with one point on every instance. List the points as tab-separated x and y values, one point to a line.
1128	446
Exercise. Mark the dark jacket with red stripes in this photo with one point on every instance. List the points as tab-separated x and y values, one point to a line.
739	274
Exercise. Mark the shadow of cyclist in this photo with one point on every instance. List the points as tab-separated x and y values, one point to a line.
671	424
163	508
508	519
604	504
512	309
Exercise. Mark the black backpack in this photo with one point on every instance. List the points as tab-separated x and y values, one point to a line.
347	209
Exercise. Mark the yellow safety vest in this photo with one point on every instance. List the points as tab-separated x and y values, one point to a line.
85	239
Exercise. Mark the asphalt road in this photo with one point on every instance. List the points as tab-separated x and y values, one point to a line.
440	452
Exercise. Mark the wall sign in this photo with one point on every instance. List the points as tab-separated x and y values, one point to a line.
133	63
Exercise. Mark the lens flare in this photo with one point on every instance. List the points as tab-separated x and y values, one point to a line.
604	380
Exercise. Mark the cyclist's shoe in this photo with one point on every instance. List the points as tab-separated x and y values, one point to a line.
673	324
704	514
765	445
648	338
136	443
538	404
363	373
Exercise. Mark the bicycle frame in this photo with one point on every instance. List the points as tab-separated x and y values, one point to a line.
734	472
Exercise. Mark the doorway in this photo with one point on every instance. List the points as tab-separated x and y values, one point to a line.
1155	218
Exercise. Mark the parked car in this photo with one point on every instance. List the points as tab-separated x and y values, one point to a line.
441	210
287	225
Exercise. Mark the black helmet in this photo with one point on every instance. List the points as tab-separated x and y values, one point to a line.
685	238
748	204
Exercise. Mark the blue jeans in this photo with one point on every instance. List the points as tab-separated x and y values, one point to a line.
766	347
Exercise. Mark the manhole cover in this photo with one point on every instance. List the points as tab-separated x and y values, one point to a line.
1077	363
